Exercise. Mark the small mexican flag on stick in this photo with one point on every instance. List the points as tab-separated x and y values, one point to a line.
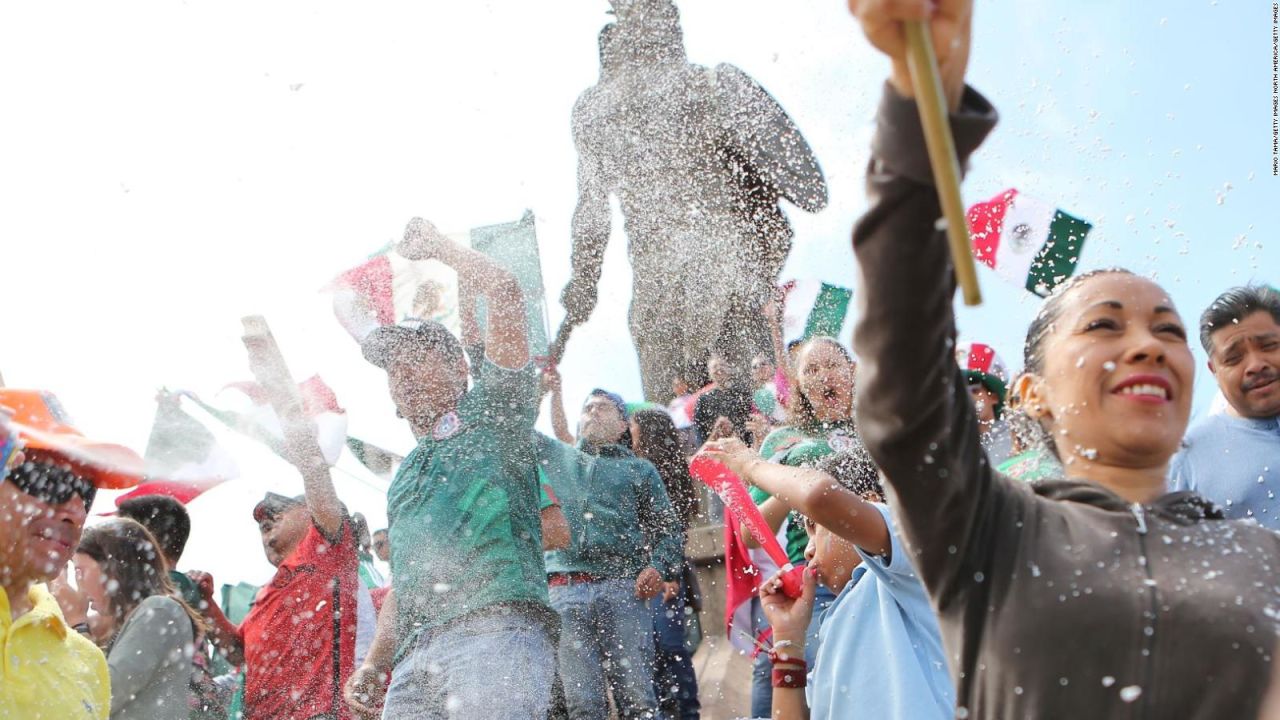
812	308
1027	241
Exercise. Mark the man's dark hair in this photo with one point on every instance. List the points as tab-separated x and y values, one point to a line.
165	518
1235	305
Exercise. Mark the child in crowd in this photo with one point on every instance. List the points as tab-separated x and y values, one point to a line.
879	649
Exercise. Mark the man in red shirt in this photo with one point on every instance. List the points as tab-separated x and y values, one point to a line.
298	641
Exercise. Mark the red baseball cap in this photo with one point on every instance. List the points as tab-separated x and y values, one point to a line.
44	428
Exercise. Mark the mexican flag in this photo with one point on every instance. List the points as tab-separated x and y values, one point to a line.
243	406
183	459
387	288
1027	241
812	308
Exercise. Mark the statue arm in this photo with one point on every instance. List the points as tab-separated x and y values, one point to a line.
591	227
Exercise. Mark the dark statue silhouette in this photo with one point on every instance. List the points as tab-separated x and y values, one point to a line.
698	159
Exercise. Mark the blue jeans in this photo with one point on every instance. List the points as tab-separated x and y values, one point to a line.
497	665
674	681
606	641
761	668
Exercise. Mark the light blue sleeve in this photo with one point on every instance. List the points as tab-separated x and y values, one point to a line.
897	565
1181	476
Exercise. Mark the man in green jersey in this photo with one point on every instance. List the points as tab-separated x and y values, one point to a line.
467	631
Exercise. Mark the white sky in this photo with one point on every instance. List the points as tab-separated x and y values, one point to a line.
166	168
161	177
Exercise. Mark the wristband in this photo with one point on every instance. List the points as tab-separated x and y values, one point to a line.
786	651
791	678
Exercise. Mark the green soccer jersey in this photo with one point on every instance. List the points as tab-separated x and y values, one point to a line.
464	509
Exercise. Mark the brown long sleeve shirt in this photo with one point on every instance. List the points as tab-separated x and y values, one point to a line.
1055	601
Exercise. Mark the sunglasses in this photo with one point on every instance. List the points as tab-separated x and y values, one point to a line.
53	484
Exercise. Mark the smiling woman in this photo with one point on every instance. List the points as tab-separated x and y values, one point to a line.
1096	596
1109	375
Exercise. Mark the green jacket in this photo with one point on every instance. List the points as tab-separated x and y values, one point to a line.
620	518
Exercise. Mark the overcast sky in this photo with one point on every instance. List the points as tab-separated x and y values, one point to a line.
168	167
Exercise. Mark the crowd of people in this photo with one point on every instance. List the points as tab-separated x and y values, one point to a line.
975	543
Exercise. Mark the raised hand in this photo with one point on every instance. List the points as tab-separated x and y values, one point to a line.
789	617
949	23
422	240
733	454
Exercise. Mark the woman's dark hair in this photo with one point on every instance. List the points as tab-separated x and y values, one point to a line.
131	559
1033	351
800	411
854	470
1235	305
658	443
1050	311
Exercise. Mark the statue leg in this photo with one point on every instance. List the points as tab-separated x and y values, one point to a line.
659	340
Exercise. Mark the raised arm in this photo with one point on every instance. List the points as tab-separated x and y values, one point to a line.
224	633
810	492
507	341
591	225
914	413
551	384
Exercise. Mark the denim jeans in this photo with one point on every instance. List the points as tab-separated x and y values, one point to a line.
674	681
761	668
606	640
497	665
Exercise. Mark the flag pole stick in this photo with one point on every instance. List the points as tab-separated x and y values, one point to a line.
927	82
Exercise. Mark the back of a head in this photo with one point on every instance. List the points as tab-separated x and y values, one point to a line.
165	518
855	471
659	443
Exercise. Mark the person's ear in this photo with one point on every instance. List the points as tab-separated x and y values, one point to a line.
1031	392
1209	363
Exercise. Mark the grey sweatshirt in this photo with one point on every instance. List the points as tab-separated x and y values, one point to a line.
1055	601
150	662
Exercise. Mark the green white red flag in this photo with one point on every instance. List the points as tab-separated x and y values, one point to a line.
183	459
387	288
1027	241
813	308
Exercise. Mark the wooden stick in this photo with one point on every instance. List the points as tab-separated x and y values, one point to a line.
927	82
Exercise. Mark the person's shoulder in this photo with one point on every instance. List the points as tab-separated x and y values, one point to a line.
162	606
1208	434
156	614
1213	425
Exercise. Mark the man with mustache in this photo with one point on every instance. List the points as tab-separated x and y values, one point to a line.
1233	458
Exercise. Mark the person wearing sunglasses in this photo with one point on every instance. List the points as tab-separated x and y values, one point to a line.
50	669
